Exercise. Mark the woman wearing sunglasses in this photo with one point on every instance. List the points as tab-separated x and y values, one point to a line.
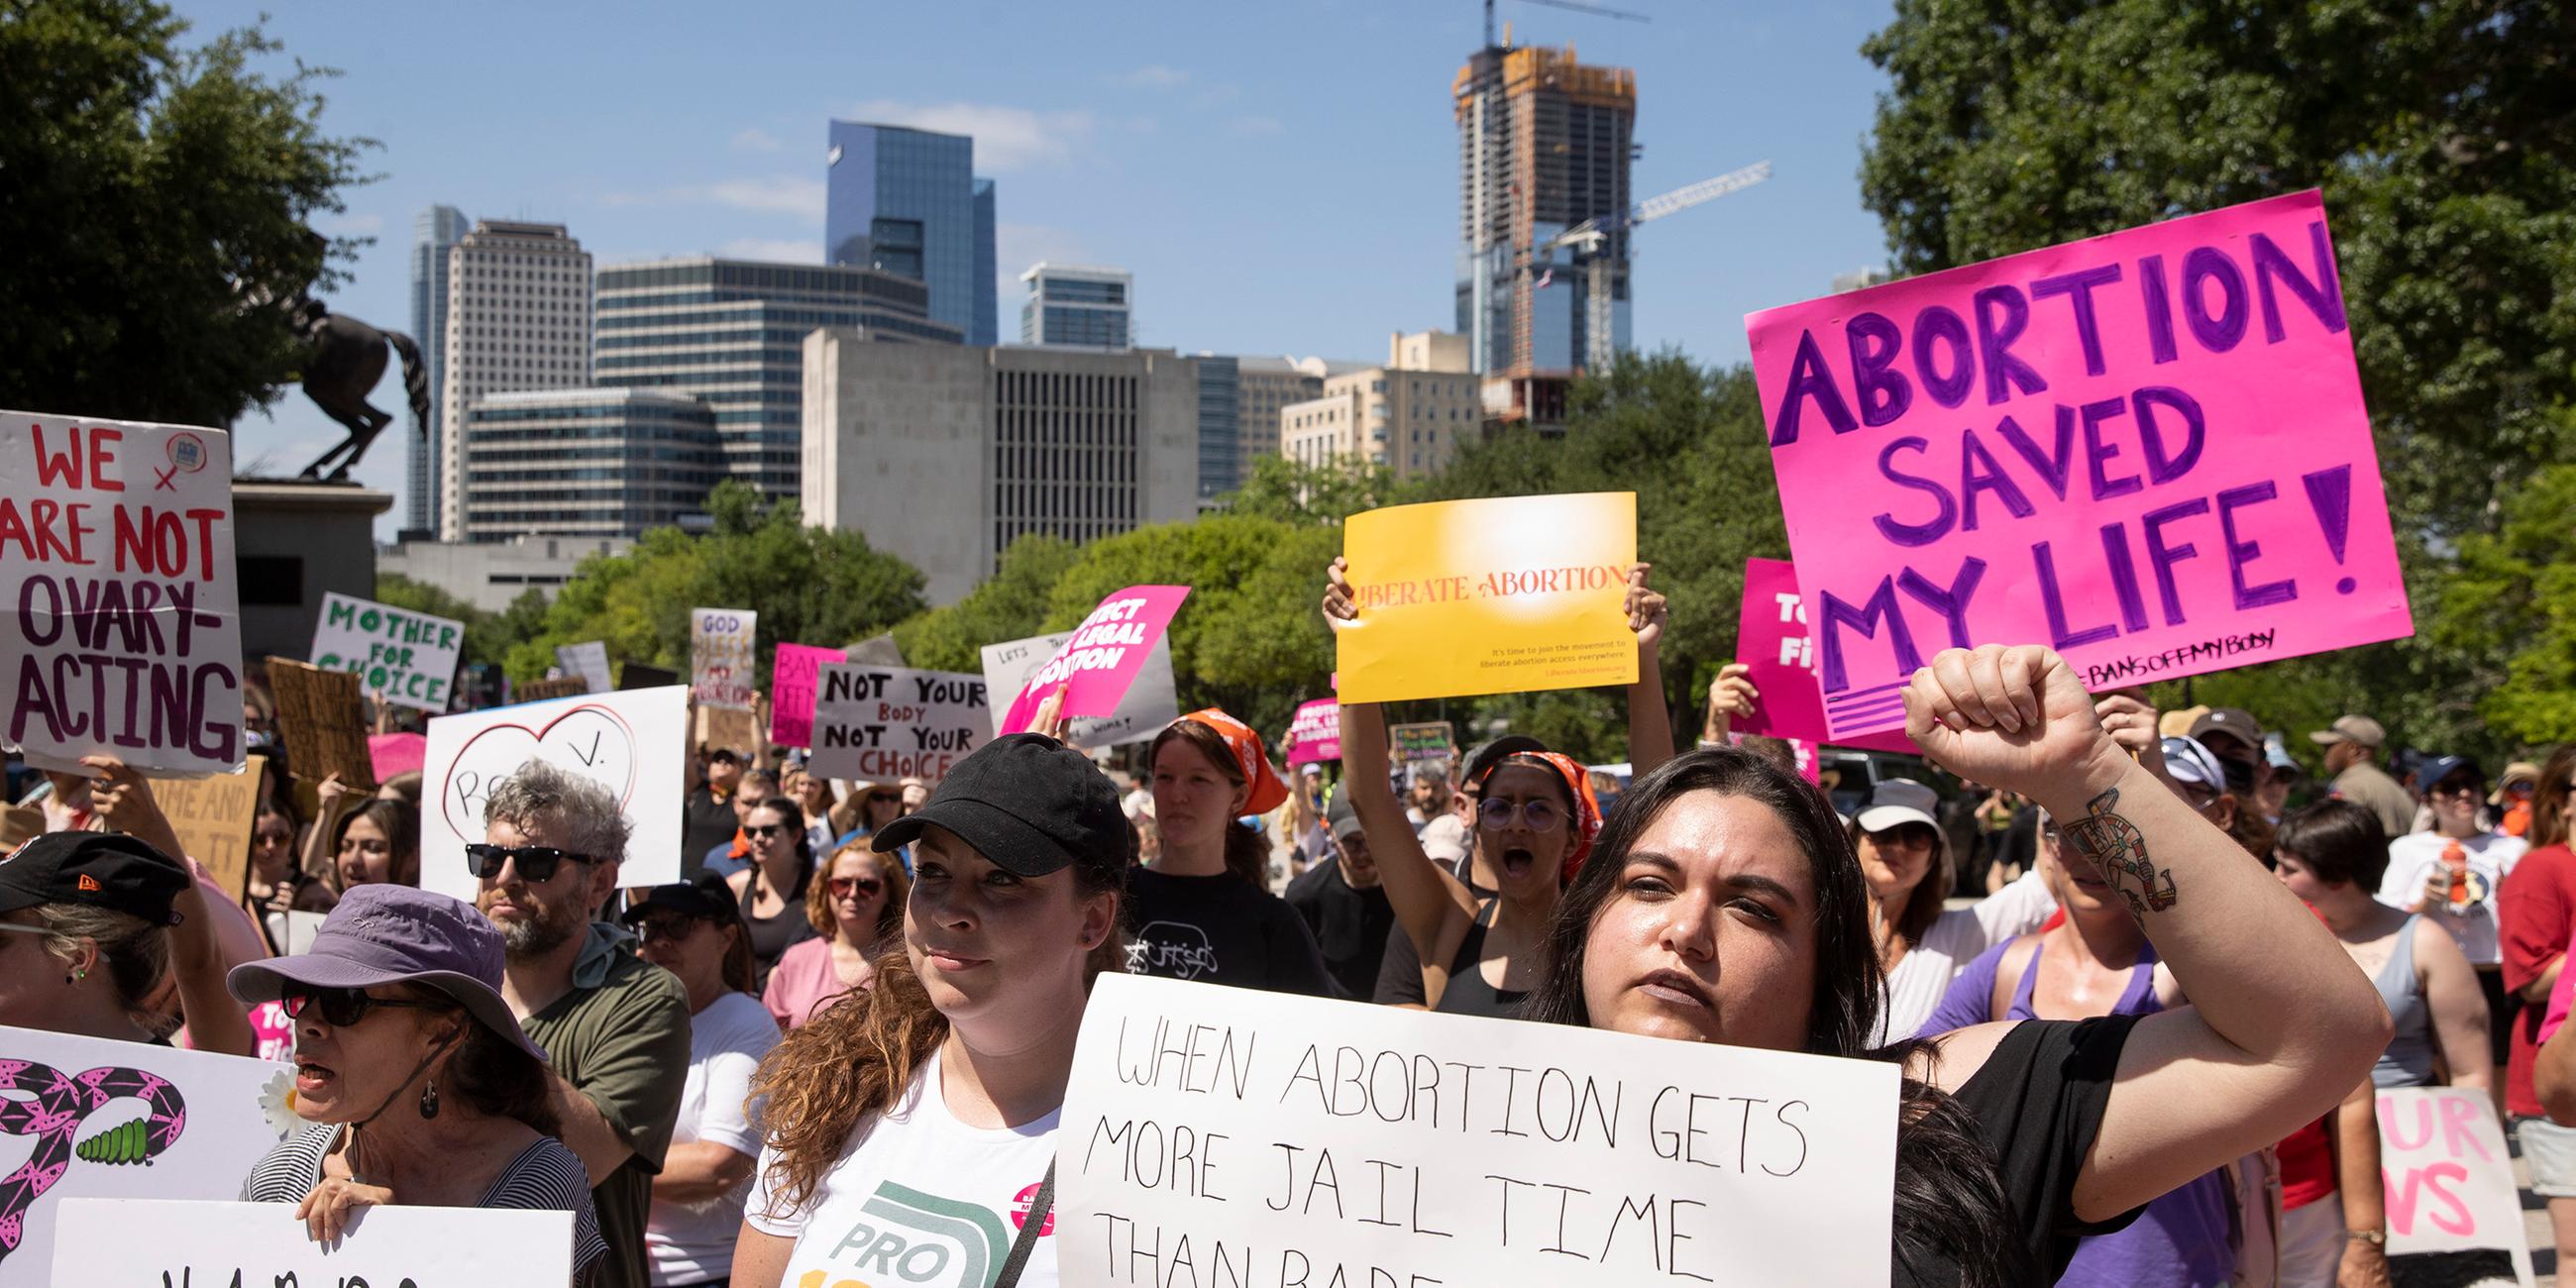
420	1087
693	931
1534	823
856	912
771	891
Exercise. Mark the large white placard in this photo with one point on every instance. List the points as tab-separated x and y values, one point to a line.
1264	1138
1151	702
214	1245
881	724
88	1118
2448	1179
408	658
721	669
634	742
123	629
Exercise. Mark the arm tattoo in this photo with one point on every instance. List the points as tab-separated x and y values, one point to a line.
2115	849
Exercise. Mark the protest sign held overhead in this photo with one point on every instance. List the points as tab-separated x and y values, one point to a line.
1429	740
92	1118
1772	641
116	554
1315	734
2447	1176
1102	657
407	658
589	660
878	724
323	721
1270	1138
561	686
2147	450
721	671
266	1244
395	753
213	817
634	743
1505	595
791	692
1150	703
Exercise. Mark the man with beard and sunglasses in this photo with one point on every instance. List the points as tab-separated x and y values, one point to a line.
615	1028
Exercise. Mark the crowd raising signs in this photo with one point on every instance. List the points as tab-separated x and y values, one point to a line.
1224	1136
116	553
406	658
2147	450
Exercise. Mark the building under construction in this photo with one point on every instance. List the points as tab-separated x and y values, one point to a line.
1543	145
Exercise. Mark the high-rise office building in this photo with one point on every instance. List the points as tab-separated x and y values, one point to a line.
433	234
907	202
945	455
1407	415
518	318
1073	304
1544	144
1264	387
585	462
1220	427
732	332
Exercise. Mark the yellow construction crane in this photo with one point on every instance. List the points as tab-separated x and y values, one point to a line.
1598	11
1586	237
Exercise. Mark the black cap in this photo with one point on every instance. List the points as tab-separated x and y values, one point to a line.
103	869
1482	760
1029	805
724	753
708	896
1339	816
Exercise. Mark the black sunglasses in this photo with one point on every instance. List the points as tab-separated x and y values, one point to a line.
537	863
342	1007
765	831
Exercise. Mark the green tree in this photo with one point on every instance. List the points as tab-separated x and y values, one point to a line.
2513	605
1292	492
149	192
1009	605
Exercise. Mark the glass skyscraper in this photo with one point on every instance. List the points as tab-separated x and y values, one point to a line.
907	202
437	229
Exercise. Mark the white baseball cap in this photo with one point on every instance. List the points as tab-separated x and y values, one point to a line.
1895	802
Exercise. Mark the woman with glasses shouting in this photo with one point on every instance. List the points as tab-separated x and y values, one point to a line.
771	892
856	912
693	931
419	1086
1534	824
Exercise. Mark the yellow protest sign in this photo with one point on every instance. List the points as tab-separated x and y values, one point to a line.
1502	595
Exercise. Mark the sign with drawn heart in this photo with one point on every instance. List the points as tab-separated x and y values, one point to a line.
634	743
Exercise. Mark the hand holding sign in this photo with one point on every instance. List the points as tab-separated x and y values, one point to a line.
1103	657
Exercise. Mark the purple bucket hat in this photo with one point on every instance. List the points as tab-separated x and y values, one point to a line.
394	934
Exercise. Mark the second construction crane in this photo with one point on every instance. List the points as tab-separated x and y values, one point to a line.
1586	240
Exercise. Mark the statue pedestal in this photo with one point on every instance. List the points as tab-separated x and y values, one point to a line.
294	540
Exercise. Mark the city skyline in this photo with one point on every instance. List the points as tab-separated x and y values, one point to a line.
1259	218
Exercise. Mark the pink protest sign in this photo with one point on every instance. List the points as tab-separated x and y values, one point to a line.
791	692
2448	1180
1096	665
1315	733
1771	639
396	753
2147	450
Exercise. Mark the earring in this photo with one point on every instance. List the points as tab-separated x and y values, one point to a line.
76	975
429	1099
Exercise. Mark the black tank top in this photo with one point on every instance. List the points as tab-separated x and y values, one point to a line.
772	936
1468	993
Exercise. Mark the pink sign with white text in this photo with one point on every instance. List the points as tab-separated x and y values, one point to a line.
1315	733
2147	450
1095	666
791	691
1771	639
2448	1179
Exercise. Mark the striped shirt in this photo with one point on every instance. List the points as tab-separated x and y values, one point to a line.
546	1176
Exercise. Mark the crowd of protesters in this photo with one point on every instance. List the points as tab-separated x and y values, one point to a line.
2142	974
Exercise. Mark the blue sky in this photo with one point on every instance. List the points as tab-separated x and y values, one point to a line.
1280	177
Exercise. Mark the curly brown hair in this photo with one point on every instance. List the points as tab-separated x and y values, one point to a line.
818	896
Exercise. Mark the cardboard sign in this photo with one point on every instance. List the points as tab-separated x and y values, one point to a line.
1505	595
213	817
1102	658
791	692
1149	704
2449	1181
323	720
720	666
264	1243
116	557
1432	740
1772	639
727	727
881	724
633	743
1297	1140
1315	733
85	1118
561	686
406	658
589	660
2147	450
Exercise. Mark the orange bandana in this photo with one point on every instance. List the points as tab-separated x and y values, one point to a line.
1267	791
1586	823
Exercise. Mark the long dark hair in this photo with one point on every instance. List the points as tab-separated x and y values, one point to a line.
400	823
1245	854
1950	1205
792	816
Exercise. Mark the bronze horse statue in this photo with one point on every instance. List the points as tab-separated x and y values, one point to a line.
344	358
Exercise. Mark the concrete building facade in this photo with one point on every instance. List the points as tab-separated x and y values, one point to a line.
907	202
492	574
732	333
434	233
944	456
518	318
1405	417
1265	387
1072	304
585	462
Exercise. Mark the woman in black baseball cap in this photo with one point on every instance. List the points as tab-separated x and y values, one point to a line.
85	938
947	1076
